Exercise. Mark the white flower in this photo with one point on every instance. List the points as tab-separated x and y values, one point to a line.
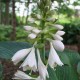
60	27
58	45
57	37
60	33
43	73
28	28
30	61
19	55
32	36
37	31
53	59
21	75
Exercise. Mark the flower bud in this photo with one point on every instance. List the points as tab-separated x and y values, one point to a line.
58	45
57	37
61	33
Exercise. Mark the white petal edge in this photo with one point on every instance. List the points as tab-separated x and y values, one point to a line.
19	55
30	61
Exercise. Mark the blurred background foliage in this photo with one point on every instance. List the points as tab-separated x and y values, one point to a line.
12	20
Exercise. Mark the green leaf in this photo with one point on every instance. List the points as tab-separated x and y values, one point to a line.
7	49
64	58
66	73
73	56
52	74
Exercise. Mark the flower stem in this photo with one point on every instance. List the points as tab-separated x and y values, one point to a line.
42	24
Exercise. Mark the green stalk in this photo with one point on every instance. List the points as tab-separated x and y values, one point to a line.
42	24
42	42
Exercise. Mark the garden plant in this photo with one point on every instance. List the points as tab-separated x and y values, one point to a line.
35	60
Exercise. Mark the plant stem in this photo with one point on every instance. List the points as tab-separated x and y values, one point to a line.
42	24
43	48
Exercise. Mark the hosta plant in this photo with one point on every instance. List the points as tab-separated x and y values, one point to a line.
33	59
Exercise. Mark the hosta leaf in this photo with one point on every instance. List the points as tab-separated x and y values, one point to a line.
64	58
73	56
66	73
52	74
7	49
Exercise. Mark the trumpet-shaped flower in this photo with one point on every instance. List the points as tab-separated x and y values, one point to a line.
21	75
58	45
28	28
19	55
57	37
32	36
43	73
60	27
30	61
53	57
60	33
37	31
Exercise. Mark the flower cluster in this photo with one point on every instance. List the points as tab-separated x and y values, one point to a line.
36	64
34	31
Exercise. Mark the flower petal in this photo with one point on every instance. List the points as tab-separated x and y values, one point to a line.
19	55
42	68
51	61
60	33
54	57
57	37
30	61
21	75
58	45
